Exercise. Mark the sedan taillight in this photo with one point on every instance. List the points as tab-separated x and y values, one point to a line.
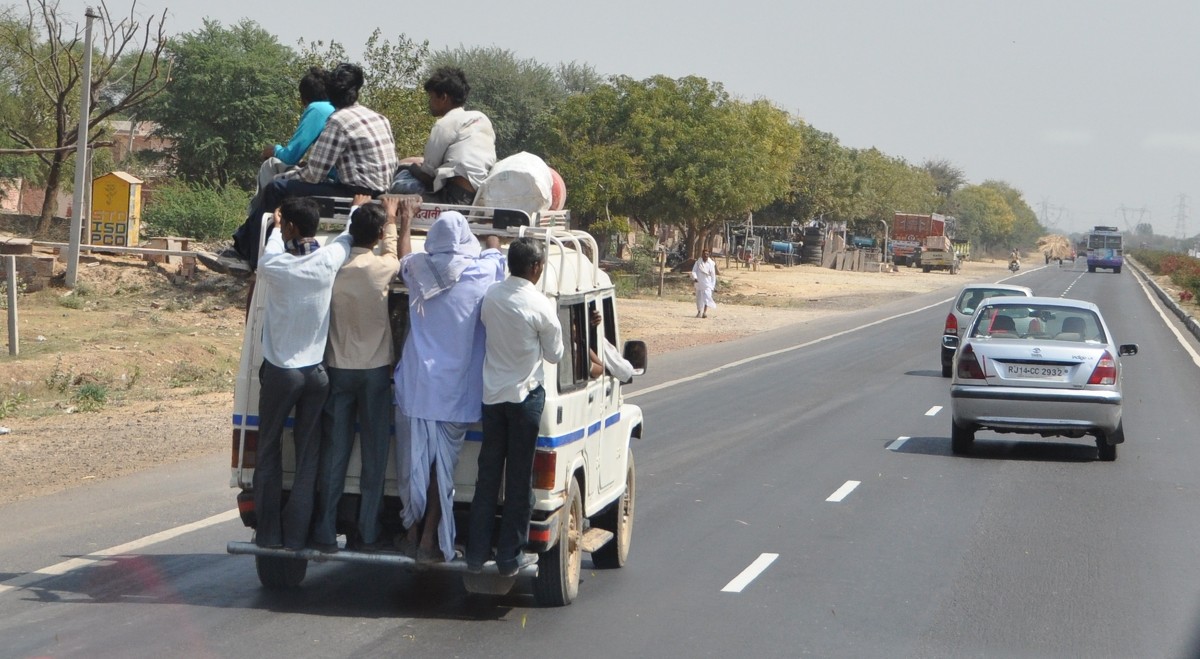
951	324
1106	370
968	365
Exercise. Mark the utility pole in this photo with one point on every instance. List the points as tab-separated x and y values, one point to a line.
1181	222
81	159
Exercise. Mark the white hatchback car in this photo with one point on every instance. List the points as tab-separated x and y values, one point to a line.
1041	366
963	308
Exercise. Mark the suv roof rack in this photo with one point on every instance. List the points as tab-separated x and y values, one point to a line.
554	227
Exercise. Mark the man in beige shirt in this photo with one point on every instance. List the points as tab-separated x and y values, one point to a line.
359	360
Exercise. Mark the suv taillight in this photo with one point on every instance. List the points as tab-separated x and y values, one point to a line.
1105	371
545	467
251	448
951	324
968	365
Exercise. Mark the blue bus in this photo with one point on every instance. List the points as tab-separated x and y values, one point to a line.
1104	249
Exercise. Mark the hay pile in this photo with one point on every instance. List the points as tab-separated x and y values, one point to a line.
1054	246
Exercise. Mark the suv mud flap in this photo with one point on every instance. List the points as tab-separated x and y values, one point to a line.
245	504
543	533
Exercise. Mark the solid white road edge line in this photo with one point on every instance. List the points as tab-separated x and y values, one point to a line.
895	446
843	491
1167	321
934	410
750	573
765	355
59	569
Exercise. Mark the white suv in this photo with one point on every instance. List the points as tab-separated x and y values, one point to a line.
964	308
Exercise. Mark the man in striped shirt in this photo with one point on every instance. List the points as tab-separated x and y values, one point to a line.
356	141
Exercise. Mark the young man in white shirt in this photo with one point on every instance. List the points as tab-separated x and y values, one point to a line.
461	148
522	330
295	329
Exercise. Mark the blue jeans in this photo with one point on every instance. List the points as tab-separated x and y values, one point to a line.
510	432
281	390
364	395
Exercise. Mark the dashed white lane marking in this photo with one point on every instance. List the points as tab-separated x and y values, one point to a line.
934	410
1167	321
750	573
895	446
765	355
1072	285
59	569
843	491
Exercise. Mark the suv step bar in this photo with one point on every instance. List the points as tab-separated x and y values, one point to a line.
528	561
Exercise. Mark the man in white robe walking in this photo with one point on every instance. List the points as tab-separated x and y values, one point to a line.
704	276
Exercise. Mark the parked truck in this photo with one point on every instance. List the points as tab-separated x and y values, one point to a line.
583	471
937	253
909	231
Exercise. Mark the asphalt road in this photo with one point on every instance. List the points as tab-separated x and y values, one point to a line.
816	457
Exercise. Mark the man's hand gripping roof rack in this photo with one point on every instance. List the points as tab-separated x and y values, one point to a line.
552	226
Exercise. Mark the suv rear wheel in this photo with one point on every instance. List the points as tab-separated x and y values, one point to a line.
557	580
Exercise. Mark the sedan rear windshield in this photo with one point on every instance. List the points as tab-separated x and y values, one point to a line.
972	297
1011	321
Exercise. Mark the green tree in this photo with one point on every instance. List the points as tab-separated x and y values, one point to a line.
583	139
41	58
227	99
823	179
984	216
886	184
679	152
1025	228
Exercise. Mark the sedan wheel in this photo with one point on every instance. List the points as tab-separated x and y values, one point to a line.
960	438
1106	444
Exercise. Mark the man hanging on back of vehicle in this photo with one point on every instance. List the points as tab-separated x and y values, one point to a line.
356	141
522	329
295	330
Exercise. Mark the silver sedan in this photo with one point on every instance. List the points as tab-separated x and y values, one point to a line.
1040	366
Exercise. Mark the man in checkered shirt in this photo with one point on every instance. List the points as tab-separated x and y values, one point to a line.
356	141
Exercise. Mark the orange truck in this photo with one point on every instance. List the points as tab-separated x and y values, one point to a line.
910	231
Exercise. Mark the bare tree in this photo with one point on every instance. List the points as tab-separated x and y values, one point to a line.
129	68
947	176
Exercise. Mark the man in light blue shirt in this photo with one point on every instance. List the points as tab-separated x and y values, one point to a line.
294	332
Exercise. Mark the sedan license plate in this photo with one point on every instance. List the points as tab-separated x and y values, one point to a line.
1034	372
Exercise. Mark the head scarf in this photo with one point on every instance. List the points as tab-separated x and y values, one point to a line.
449	248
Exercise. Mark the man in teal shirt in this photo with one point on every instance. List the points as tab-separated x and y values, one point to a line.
278	158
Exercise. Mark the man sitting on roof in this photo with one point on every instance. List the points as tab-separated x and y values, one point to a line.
461	148
278	158
356	141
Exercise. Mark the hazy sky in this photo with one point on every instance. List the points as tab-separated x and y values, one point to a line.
1084	106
